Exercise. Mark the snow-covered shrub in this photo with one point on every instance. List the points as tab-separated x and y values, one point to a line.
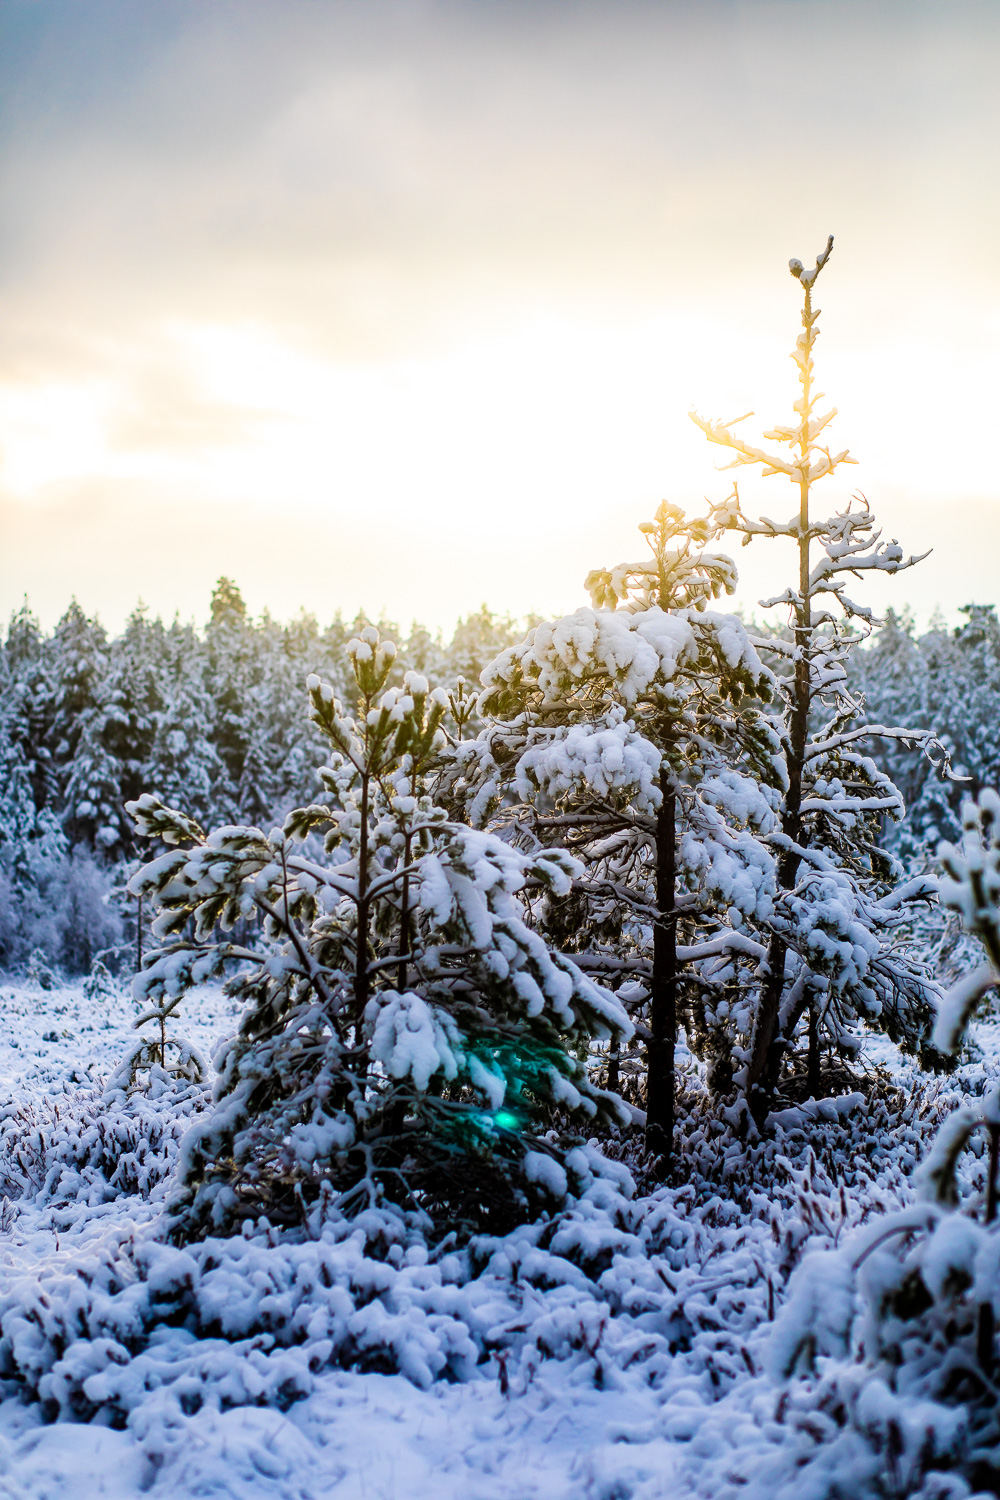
92	1147
885	1353
972	889
55	903
664	1292
881	1384
37	972
407	1036
674	1293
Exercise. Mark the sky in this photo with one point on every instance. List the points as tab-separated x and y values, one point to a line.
402	304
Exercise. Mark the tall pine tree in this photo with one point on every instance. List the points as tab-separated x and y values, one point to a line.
831	961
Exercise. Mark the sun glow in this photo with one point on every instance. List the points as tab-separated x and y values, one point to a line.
511	460
552	418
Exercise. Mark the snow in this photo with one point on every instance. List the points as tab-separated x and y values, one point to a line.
630	649
634	1350
371	1437
613	759
411	1039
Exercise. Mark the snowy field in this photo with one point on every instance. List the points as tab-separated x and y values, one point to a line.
630	1356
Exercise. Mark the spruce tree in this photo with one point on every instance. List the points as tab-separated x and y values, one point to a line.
78	656
31	703
229	679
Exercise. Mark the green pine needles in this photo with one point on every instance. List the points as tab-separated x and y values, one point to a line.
407	1036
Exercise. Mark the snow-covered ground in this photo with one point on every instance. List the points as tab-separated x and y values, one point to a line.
623	1361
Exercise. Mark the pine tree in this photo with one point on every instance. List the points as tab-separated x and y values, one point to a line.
951	680
406	1035
78	656
229	678
31	698
628	729
830	957
111	760
18	813
183	764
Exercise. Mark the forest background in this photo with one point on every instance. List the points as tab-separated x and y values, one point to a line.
214	720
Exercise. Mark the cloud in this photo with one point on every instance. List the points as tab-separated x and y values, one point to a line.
385	203
163	407
360	173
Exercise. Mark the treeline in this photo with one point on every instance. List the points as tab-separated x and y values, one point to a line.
948	681
211	720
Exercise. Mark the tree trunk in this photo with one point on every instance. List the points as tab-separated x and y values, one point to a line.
663	999
614	1067
361	986
812	1064
986	1333
405	920
768	1044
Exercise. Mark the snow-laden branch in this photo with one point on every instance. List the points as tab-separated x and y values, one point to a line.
910	739
724	942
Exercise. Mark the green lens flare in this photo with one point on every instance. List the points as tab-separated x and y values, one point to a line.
505	1120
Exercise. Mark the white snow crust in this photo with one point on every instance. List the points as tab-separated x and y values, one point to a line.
625	1350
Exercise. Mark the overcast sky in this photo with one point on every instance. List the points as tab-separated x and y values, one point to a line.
404	305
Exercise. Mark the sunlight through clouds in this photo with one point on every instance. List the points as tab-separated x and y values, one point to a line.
415	287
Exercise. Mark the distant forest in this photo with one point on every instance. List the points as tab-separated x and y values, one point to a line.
214	721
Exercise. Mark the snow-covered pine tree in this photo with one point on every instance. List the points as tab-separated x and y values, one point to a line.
633	730
229	678
25	835
30	694
17	804
949	679
183	765
18	809
110	763
77	652
52	900
830	955
406	1036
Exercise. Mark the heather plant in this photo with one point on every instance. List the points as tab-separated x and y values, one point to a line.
902	1318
